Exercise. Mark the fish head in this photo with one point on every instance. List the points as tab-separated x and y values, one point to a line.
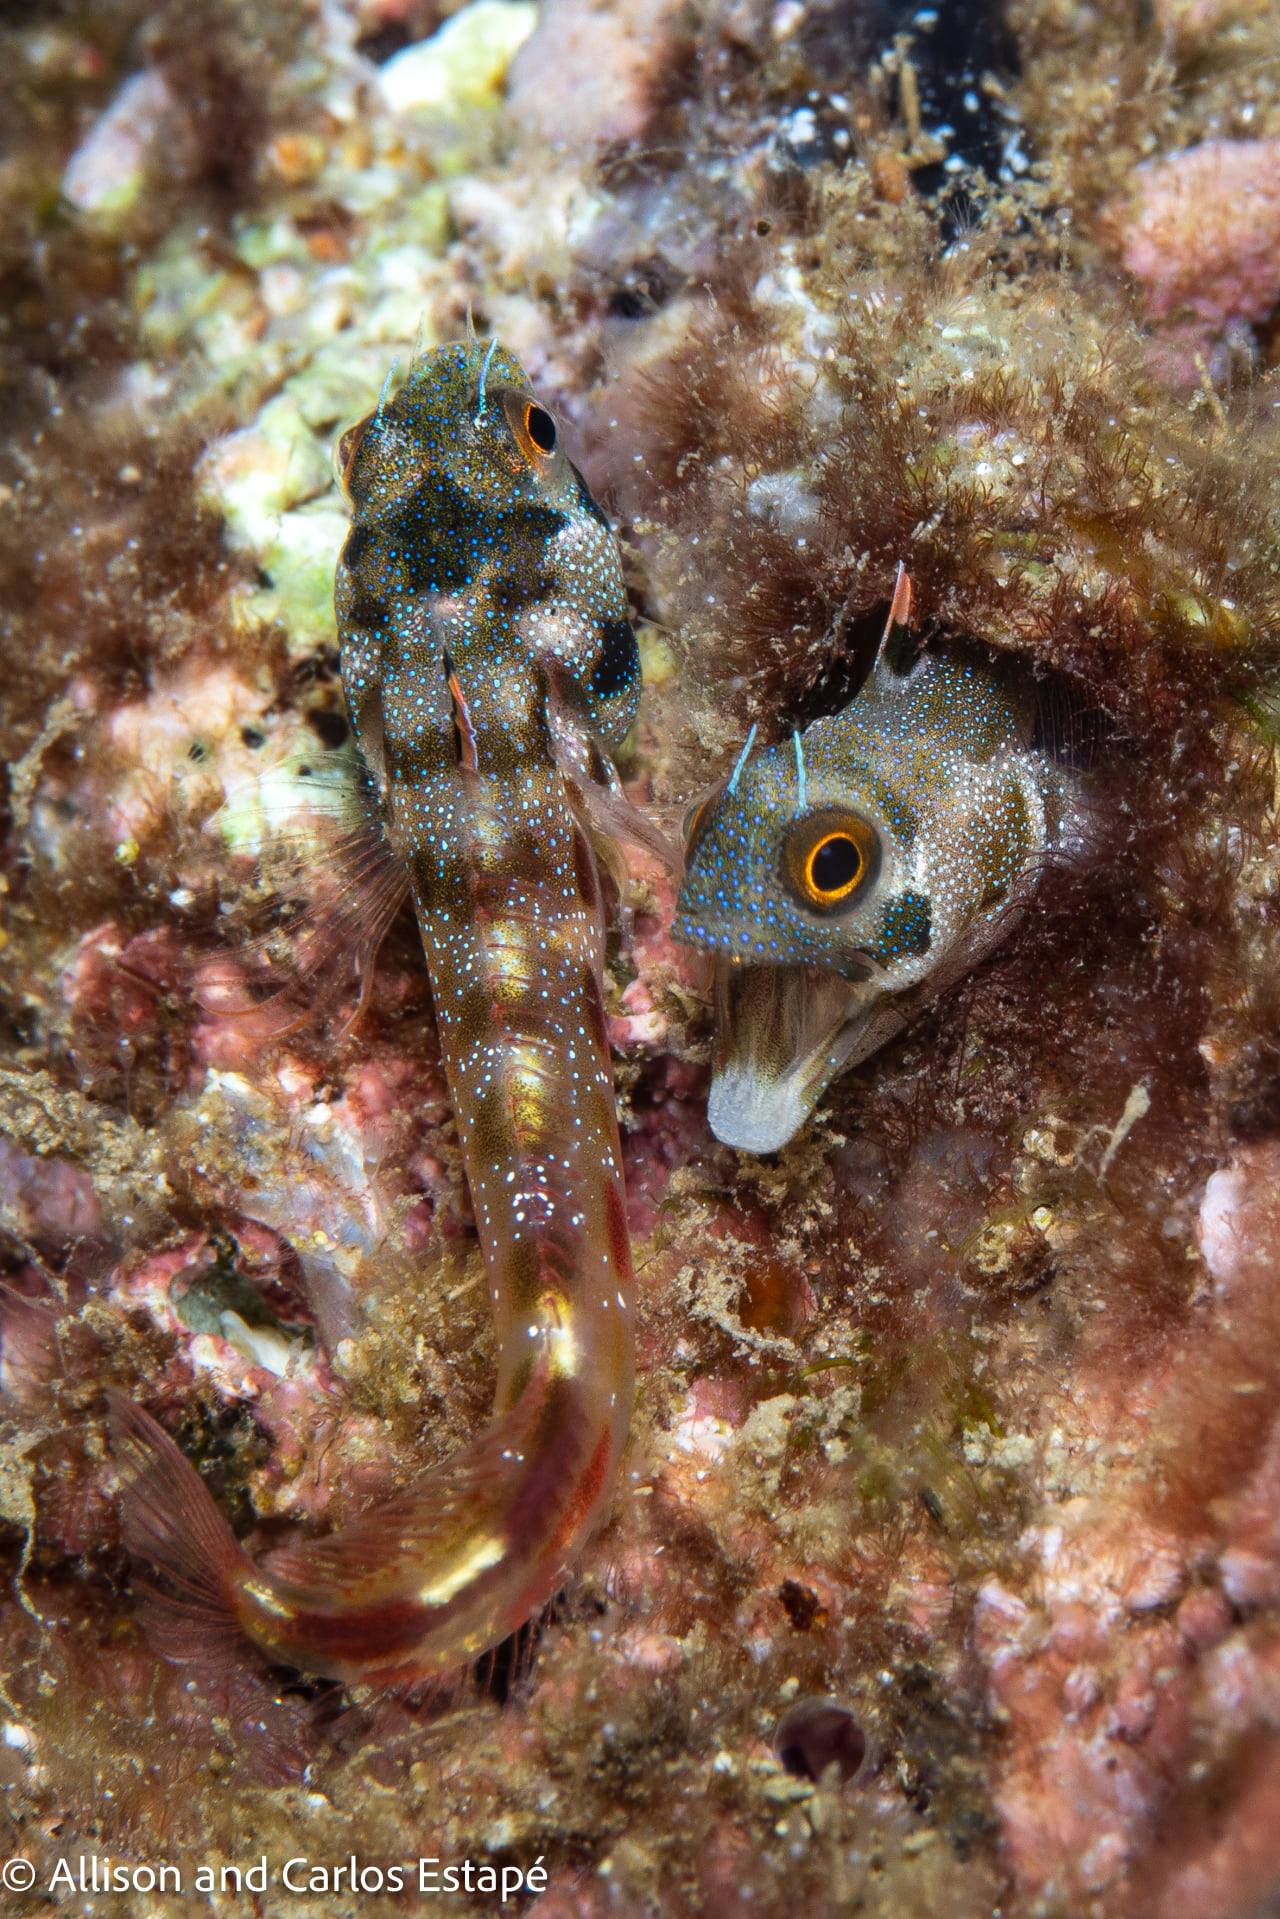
843	877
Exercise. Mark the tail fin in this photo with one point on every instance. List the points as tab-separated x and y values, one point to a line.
423	1581
172	1523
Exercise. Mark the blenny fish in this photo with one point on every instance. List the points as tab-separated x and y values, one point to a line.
490	671
847	875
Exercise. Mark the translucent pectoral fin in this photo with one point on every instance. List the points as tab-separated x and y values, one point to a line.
596	794
335	888
783	1033
610	815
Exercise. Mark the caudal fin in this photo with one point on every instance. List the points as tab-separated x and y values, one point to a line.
188	1603
420	1583
173	1525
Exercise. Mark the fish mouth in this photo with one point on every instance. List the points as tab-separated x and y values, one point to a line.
783	1033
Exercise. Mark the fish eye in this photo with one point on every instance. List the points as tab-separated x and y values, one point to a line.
345	451
831	858
834	867
540	428
533	426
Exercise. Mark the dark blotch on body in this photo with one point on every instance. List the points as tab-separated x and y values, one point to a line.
619	664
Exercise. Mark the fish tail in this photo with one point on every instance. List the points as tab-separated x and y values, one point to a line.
172	1523
424	1581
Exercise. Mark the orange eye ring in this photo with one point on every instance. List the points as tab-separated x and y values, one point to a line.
540	429
833	868
534	429
830	859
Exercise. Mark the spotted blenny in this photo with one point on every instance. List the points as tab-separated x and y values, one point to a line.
491	672
847	875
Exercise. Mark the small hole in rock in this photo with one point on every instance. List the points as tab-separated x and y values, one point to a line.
816	1734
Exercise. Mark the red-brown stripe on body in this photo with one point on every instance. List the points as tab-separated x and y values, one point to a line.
615	1214
362	1635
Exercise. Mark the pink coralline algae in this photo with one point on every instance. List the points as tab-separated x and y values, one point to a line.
589	73
1147	1616
1201	236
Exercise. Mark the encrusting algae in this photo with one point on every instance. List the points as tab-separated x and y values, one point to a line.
938	1572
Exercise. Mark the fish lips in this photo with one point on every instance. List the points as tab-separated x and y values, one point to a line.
783	1033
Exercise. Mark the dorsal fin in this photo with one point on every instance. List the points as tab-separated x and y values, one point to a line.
898	651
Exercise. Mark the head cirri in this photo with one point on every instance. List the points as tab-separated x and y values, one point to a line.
845	876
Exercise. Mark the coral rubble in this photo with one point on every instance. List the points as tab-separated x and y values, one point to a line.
944	1576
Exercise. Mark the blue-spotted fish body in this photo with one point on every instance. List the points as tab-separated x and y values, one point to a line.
490	669
847	875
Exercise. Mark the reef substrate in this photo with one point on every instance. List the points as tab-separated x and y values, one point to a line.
962	1415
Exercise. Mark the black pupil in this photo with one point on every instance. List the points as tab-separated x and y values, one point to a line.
541	429
836	864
